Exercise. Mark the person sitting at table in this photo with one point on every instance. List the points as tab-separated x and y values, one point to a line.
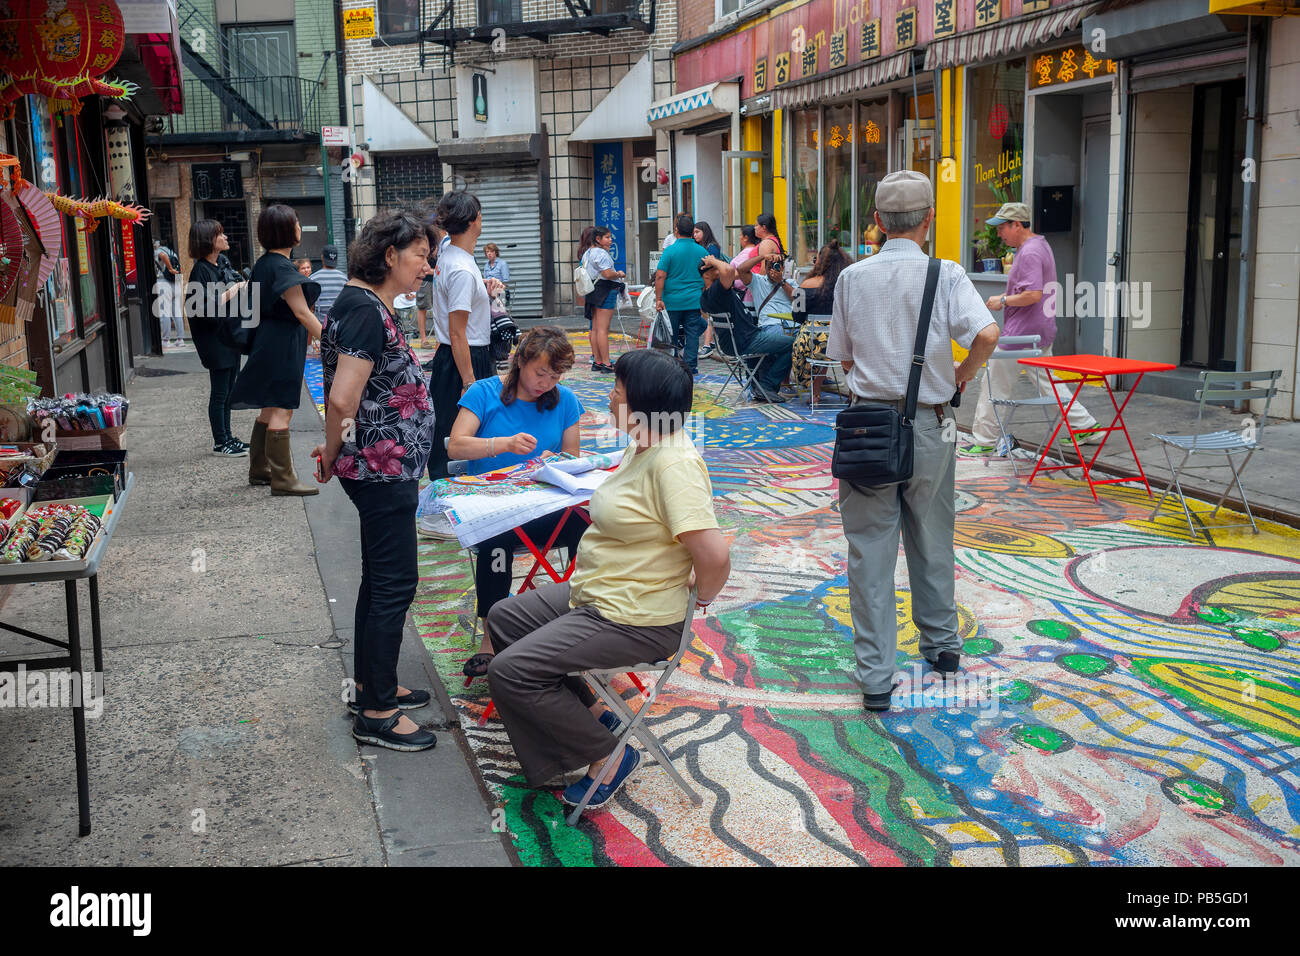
720	298
818	299
503	424
653	534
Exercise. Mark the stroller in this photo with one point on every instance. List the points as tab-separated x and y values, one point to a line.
504	332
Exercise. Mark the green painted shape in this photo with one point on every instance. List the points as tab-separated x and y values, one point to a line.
543	828
1017	691
1046	739
786	641
979	646
1088	665
1201	794
1056	630
1215	615
868	745
1143	666
1260	640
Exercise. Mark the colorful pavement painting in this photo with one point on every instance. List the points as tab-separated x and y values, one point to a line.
1130	696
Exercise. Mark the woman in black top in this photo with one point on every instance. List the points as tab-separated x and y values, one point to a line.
207	297
374	383
271	379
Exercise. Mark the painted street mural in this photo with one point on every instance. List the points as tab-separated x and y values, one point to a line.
1129	696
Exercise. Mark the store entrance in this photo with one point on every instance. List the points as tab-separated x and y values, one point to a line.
1213	265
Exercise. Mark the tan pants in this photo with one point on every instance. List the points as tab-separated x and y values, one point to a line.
539	640
1002	375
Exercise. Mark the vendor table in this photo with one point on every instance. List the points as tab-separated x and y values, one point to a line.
69	572
1092	369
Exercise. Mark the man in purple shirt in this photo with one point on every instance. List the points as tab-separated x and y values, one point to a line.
1030	305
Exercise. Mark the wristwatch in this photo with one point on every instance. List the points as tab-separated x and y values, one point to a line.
1004	302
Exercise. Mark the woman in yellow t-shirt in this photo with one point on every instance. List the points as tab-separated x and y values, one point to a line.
653	533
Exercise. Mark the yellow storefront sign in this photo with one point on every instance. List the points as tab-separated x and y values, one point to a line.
359	24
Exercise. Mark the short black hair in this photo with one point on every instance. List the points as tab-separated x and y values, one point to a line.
398	228
686	226
658	387
203	236
277	227
456	211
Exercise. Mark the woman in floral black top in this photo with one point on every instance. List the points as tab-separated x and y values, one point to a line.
378	431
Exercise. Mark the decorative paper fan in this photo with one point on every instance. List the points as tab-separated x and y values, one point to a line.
24	293
48	223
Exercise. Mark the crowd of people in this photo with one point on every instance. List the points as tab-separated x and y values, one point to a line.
653	537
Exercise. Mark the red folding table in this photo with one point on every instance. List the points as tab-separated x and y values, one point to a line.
1092	369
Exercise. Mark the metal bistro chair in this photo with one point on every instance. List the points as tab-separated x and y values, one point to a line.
827	369
738	367
1046	403
1219	387
634	724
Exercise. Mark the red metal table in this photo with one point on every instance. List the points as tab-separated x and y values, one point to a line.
1092	369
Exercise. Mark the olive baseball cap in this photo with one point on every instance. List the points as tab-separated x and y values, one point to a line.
904	191
1011	212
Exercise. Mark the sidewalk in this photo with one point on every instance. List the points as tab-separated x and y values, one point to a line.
223	739
1270	480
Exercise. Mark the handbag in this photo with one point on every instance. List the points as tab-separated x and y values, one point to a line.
582	280
873	443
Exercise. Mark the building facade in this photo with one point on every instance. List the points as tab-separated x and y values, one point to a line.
1149	137
536	108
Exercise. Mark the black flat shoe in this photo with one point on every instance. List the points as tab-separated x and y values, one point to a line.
876	702
379	732
477	666
948	662
411	701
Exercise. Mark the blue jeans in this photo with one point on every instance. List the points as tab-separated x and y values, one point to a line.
778	347
688	326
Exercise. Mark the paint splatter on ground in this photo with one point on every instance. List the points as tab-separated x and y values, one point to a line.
1131	695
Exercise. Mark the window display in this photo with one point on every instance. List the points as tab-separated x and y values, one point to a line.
997	131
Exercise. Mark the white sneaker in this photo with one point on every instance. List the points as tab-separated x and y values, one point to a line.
435	526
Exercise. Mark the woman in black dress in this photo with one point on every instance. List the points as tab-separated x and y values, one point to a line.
271	379
208	296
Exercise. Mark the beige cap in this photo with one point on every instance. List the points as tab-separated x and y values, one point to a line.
904	191
1011	212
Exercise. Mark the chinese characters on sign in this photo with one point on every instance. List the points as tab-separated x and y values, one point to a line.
760	76
1034	6
1070	65
782	68
987	12
839	49
871	39
905	28
608	161
809	55
945	18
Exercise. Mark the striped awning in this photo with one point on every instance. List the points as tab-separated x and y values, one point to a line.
859	78
998	41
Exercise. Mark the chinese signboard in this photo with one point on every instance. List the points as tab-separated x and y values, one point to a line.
216	181
905	28
359	24
608	161
1061	67
945	18
987	12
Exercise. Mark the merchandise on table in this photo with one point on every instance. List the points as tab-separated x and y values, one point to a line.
23	464
81	412
59	532
9	507
15	549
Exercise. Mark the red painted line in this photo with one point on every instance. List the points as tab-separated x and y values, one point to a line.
622	846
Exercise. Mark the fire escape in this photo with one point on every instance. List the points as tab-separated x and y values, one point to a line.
228	97
601	17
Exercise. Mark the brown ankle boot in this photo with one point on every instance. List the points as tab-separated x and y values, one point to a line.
259	472
283	479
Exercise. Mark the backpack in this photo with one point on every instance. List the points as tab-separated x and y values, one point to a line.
504	336
582	280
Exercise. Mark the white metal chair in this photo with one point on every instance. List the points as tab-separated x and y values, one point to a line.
826	369
1045	403
1220	387
634	724
738	368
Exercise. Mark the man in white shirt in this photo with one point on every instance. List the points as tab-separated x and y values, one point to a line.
873	334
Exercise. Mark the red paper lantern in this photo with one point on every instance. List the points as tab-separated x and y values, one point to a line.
57	48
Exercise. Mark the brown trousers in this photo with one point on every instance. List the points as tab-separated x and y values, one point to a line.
539	640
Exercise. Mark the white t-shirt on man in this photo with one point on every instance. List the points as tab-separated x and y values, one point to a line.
458	287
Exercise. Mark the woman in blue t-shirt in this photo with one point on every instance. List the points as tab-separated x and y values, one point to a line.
501	424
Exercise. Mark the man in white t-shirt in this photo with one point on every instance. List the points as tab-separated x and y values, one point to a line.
462	319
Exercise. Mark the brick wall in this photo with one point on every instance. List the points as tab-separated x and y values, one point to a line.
694	19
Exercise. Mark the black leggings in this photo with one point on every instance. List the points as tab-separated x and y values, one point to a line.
223	380
492	573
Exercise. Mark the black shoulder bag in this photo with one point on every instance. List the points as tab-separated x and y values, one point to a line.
873	443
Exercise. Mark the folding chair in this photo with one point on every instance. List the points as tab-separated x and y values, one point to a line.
1046	403
1219	387
633	724
738	367
824	368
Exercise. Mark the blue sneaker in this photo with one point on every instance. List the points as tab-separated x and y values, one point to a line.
611	722
574	793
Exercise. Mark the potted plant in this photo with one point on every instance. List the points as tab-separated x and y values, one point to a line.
989	249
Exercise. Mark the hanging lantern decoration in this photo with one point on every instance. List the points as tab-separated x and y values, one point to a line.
59	49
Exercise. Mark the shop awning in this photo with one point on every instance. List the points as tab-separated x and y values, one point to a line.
700	105
1146	28
1257	8
860	78
998	41
621	114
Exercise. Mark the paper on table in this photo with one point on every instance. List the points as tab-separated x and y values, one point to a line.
588	481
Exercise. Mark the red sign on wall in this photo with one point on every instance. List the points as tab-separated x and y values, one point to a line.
128	250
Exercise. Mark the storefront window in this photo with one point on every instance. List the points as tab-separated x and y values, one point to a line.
997	137
837	195
85	268
872	142
59	311
805	141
